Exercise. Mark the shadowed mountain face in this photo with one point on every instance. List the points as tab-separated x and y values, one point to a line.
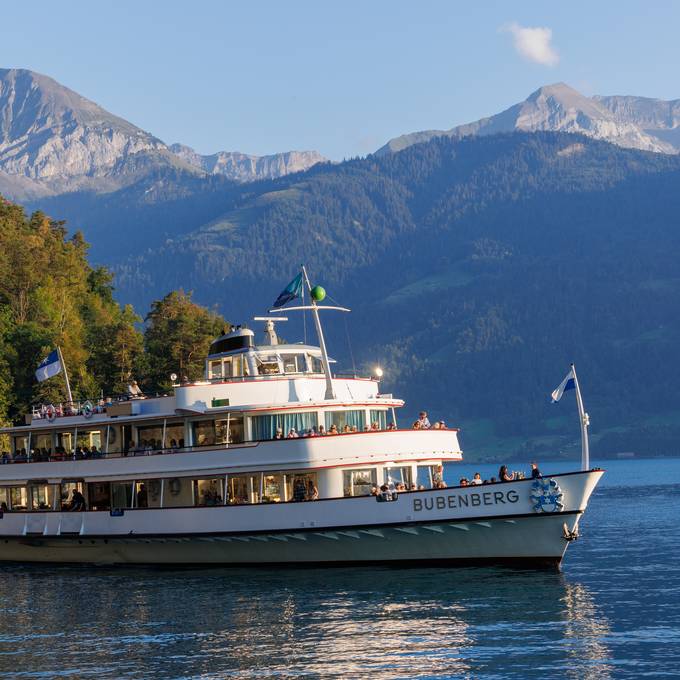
54	141
631	122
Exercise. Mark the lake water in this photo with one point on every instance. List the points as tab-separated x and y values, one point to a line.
612	612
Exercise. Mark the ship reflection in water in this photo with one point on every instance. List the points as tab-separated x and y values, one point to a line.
344	623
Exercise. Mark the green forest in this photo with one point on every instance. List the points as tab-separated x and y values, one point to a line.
51	296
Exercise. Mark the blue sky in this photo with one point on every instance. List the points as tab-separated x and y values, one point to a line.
342	78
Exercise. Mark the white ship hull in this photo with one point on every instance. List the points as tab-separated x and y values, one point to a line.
494	524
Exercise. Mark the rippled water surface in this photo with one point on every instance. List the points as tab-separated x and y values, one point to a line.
612	612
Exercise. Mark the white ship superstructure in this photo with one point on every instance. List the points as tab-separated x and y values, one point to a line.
244	467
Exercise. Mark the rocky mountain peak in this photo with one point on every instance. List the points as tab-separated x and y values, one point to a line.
650	125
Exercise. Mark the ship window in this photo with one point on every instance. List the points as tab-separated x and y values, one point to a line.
42	441
215	368
301	486
398	475
354	420
242	489
380	417
18	497
229	430
358	482
204	433
44	496
149	438
178	493
148	493
272	488
89	438
317	366
121	494
264	427
208	491
66	493
268	365
99	495
4	498
428	476
293	363
20	444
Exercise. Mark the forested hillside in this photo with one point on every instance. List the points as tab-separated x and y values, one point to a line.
477	270
51	296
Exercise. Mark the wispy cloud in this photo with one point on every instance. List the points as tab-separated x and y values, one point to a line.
533	43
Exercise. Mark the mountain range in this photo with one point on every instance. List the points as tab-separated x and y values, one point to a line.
631	122
488	262
53	141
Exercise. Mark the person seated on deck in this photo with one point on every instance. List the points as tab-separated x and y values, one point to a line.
441	484
435	426
3	507
134	391
375	425
477	479
391	426
86	452
78	503
374	490
322	431
346	429
504	475
442	425
535	472
95	452
416	425
5	458
333	429
292	434
463	481
142	497
279	433
173	445
423	420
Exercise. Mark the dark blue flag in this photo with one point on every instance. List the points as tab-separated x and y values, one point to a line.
290	292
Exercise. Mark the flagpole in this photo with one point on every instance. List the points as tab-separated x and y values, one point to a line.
330	393
585	421
63	368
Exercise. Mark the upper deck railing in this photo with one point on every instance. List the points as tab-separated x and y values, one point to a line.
84	453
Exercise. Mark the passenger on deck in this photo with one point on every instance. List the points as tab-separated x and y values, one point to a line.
442	425
312	491
441	484
463	481
173	445
424	422
292	434
477	479
78	503
535	472
346	429
322	431
95	452
299	489
333	429
374	490
391	426
504	475
279	433
142	497
416	425
436	425
375	425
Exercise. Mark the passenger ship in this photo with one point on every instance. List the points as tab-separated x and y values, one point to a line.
210	475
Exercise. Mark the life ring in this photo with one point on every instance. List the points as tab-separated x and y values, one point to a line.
51	413
87	409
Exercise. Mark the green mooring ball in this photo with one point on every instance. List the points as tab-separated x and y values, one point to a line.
318	293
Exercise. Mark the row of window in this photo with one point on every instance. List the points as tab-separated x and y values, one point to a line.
209	432
242	489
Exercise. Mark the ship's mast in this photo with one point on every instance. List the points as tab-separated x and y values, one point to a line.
330	392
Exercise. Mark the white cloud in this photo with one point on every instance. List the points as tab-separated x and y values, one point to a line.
533	43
